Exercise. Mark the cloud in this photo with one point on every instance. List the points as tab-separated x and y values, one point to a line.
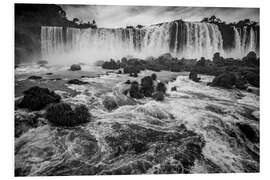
112	16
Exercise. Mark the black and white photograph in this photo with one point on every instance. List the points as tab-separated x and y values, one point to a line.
135	89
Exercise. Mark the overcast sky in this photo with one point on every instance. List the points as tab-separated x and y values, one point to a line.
121	16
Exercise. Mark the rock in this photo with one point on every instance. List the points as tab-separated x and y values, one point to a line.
61	114
77	82
161	87
252	78
35	77
42	62
36	98
251	59
110	65
229	80
109	103
24	121
128	82
165	57
147	87
174	88
194	76
134	91
49	74
249	132
253	90
131	70
154	76
158	96
75	67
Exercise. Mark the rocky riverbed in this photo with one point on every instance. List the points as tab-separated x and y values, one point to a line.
195	129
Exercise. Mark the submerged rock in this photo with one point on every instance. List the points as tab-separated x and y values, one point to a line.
109	103
62	114
75	67
36	98
77	82
35	77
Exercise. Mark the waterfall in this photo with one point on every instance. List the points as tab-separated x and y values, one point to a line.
182	39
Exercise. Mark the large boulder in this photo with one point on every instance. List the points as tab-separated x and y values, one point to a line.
75	67
229	80
194	76
252	78
134	91
62	114
36	98
147	87
109	103
161	87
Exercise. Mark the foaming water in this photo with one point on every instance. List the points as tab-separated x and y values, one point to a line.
146	136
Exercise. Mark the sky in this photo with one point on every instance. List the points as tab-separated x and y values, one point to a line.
112	16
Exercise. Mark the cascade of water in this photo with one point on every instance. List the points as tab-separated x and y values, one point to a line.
188	40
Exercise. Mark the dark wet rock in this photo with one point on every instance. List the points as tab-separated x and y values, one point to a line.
35	77
194	76
62	114
36	98
253	90
158	96
110	65
161	87
134	91
48	74
109	103
155	147
56	79
85	76
229	80
42	62
154	77
147	86
131	70
249	132
128	82
252	78
75	67
119	72
174	88
24	121
77	82
251	59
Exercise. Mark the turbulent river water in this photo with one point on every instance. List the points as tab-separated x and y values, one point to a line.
196	129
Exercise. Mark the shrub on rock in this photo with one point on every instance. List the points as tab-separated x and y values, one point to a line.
37	98
147	87
77	82
194	76
158	96
61	114
161	87
75	67
229	80
110	65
